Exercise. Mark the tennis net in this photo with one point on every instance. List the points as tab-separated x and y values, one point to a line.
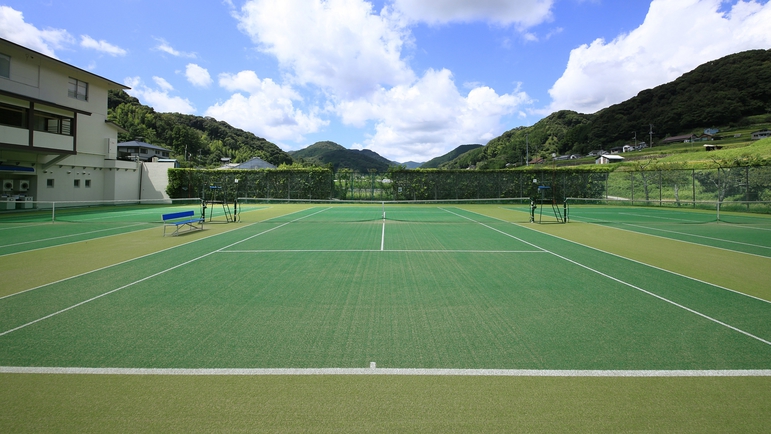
119	211
429	211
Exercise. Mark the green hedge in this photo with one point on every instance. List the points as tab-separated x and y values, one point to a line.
652	182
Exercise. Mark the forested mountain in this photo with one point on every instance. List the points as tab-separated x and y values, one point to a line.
435	162
330	153
205	139
723	92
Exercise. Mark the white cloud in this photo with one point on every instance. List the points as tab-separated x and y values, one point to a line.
197	76
163	84
523	13
676	37
159	98
268	110
103	46
167	48
429	117
353	54
15	29
342	46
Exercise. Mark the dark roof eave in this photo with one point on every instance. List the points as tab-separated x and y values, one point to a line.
113	84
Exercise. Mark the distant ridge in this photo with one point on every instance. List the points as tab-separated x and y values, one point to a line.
434	163
330	153
723	92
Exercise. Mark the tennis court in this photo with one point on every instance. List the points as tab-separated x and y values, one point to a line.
316	286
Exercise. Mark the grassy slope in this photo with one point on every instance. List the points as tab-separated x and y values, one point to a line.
760	149
34	403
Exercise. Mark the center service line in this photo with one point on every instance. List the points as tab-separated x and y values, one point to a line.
382	237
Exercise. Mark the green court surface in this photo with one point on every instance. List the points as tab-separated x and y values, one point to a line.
750	233
354	294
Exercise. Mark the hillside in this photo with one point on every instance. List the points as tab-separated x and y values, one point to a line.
330	153
412	164
205	139
725	92
434	163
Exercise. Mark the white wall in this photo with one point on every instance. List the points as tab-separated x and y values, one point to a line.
155	179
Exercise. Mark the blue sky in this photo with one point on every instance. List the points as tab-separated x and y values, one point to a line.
409	79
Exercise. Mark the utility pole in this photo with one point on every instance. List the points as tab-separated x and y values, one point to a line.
651	135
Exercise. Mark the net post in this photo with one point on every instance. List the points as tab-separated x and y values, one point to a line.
53	212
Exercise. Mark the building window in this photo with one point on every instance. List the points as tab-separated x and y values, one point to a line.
13	116
52	123
78	89
77	183
50	183
88	183
5	65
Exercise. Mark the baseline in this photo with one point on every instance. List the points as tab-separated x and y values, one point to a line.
387	371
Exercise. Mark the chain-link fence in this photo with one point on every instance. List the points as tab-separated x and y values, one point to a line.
681	187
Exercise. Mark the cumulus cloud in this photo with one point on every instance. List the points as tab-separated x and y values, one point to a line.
354	55
342	46
523	13
429	117
103	46
264	108
159	98
197	76
168	49
676	37
15	29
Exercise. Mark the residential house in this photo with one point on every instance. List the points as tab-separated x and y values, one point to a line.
55	140
686	138
252	164
141	151
762	134
608	158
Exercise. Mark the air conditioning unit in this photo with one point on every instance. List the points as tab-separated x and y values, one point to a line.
8	185
22	185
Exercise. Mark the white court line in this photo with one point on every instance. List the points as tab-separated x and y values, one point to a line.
390	371
661	218
375	250
22	226
615	279
382	236
673	239
71	235
154	275
698	236
122	262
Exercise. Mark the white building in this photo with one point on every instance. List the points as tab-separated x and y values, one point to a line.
55	140
141	151
608	159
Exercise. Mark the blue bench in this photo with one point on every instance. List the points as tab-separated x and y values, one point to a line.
180	220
